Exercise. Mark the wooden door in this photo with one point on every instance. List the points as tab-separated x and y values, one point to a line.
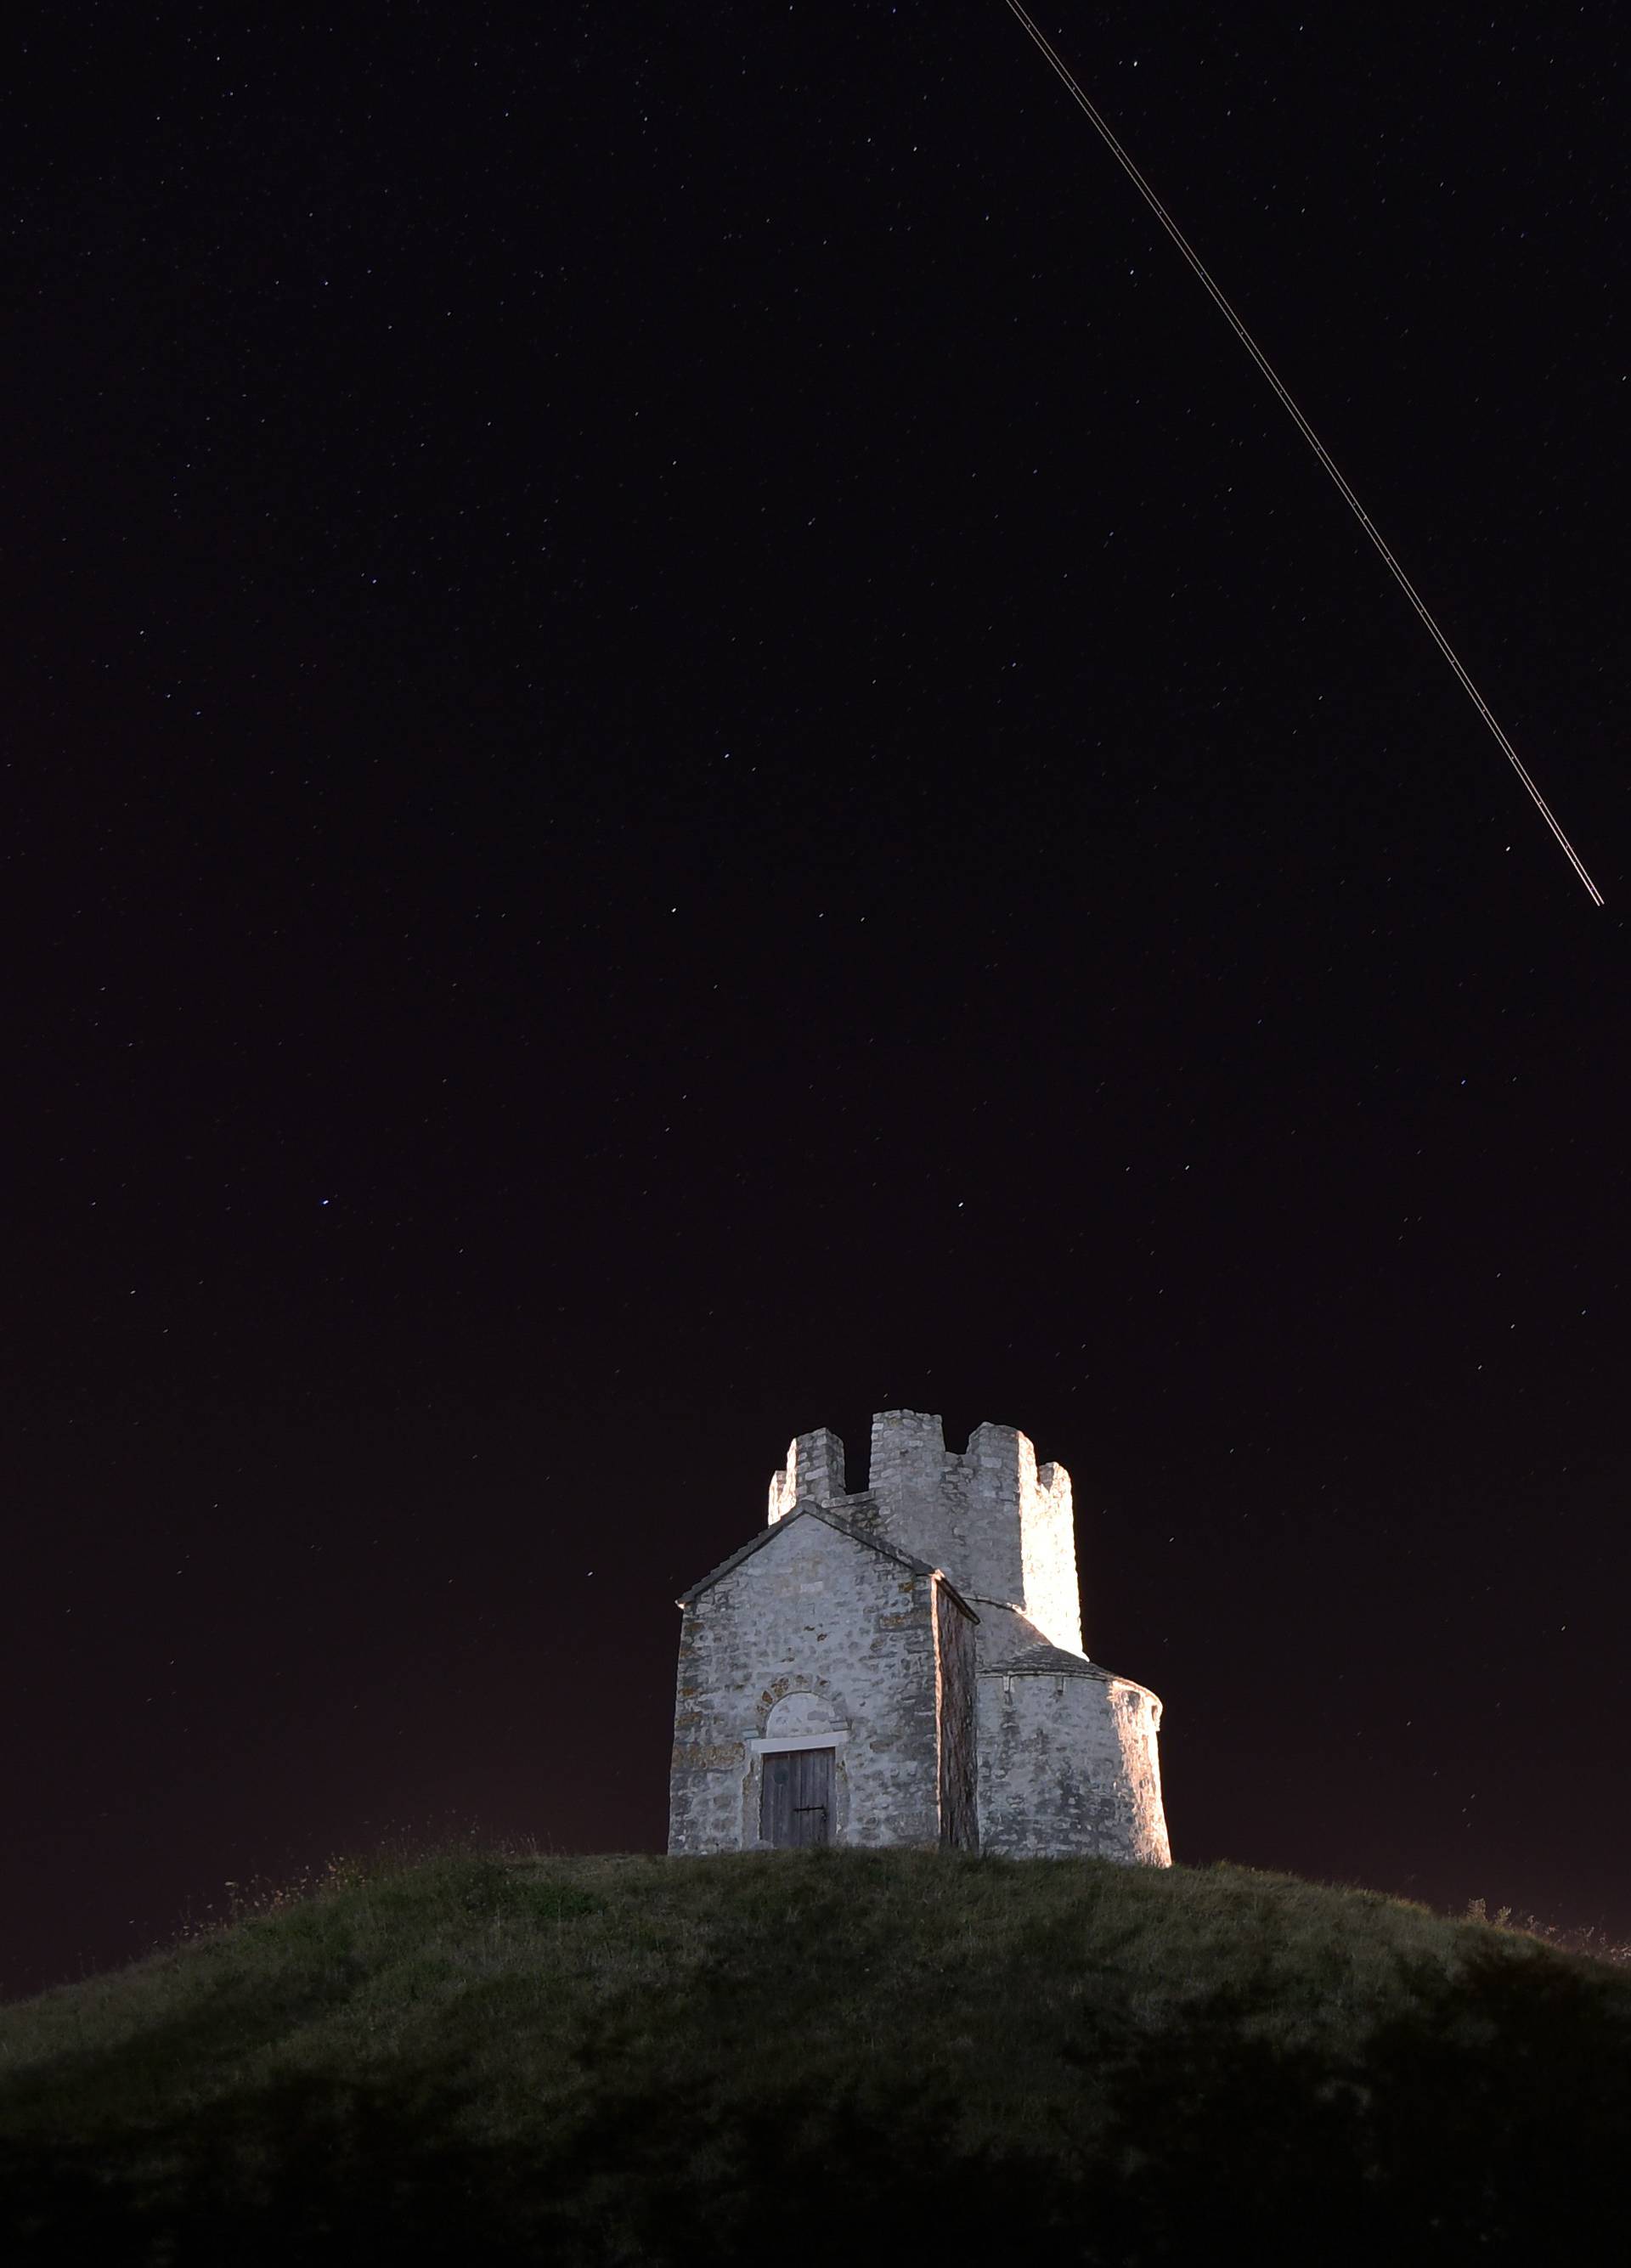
796	1803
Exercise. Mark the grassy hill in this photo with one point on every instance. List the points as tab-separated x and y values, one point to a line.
633	2059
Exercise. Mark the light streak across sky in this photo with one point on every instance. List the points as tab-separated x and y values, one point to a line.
1318	448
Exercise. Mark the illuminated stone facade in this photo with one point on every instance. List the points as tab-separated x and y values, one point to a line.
911	1653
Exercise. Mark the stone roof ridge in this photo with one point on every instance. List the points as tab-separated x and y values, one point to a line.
829	1518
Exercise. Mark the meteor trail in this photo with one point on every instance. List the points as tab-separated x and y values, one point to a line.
1313	440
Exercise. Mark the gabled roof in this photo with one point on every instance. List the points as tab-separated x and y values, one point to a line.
840	1526
1046	1661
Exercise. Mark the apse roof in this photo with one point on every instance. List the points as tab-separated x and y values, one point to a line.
1046	1661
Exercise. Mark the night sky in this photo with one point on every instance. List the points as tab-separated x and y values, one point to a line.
689	752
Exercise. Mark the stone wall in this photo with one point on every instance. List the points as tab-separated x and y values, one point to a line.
812	1611
959	1761
1068	1767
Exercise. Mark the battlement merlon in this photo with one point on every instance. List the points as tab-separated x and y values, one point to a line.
1029	1508
813	1474
1048	1540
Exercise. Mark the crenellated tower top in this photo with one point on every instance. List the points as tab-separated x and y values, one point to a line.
1001	1526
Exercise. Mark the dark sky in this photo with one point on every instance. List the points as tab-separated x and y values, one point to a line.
690	752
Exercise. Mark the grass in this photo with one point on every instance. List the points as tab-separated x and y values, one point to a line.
490	2057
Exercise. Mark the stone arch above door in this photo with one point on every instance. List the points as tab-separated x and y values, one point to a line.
797	1715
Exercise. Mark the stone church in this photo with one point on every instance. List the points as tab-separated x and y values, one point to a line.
903	1665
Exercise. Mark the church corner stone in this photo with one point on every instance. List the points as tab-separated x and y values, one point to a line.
902	1664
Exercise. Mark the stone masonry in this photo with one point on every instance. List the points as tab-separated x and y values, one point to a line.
922	1639
812	1638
